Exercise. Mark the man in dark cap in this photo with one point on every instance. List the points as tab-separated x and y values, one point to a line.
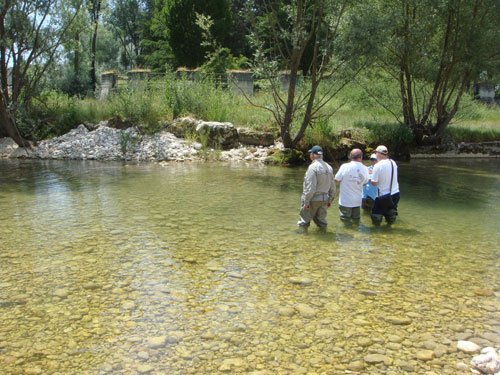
318	192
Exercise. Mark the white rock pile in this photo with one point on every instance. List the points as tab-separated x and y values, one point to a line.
106	143
488	362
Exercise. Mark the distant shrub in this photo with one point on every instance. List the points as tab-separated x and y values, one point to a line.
468	134
51	115
397	137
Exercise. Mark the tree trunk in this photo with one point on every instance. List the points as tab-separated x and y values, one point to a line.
93	78
8	126
95	15
288	117
76	61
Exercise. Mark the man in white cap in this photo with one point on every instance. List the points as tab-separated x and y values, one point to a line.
318	191
385	178
351	176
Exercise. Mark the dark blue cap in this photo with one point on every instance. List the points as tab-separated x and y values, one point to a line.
316	150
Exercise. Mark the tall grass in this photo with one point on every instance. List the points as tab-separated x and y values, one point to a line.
206	100
148	103
475	122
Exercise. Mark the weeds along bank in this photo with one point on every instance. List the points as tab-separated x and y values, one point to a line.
197	141
351	119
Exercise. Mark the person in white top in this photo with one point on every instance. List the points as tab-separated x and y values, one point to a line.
385	178
370	192
318	192
351	176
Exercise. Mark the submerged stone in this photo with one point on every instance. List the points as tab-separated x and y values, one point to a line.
468	346
305	310
61	293
377	358
157	342
300	280
425	355
398	320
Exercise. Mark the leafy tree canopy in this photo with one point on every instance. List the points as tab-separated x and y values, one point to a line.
176	22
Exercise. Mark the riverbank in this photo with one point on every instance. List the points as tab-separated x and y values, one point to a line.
107	143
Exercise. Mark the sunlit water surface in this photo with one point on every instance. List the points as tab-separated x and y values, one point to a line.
196	269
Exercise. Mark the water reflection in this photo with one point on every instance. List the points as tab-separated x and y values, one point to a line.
185	268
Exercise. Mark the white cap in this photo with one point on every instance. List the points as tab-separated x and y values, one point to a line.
373	156
382	149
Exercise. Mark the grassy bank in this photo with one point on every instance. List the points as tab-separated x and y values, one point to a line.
163	100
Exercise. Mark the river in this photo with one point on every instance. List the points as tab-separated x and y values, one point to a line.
111	268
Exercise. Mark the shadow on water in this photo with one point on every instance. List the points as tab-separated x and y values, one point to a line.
348	234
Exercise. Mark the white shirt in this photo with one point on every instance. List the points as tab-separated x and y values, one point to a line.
382	175
352	176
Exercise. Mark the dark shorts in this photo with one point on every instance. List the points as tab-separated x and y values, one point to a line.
379	210
367	203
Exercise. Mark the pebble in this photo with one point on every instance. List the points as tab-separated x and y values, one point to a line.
377	358
325	333
425	355
300	281
462	366
286	311
33	371
128	305
467	346
144	369
61	293
356	366
364	342
398	320
305	310
232	364
157	342
143	355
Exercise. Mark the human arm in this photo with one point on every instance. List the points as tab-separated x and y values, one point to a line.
333	186
374	176
309	187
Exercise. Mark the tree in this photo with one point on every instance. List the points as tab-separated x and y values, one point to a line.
176	23
30	34
243	14
434	49
282	36
126	19
75	79
95	13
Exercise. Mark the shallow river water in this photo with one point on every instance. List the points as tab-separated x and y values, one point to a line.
196	269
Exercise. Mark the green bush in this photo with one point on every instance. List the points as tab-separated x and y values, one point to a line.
397	137
468	134
52	114
319	133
